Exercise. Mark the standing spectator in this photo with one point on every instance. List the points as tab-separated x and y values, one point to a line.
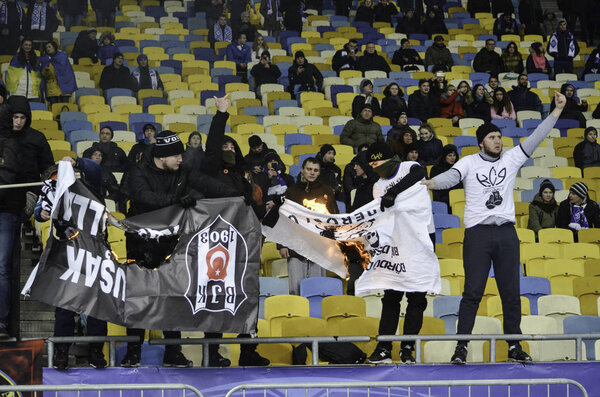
114	158
438	55
579	10
409	23
8	44
587	153
550	23
24	75
12	14
241	54
265	72
85	46
220	31
574	108
478	105
536	61
487	59
271	12
578	211
522	98
73	12
414	6
370	60
361	130
146	77
279	180
342	7
543	208
258	47
422	104
293	15
492	84
365	12
303	76
331	174
531	17
451	104
563	47
475	6
505	24
214	9
592	65
363	181
393	105
504	6
346	58
448	159
107	48
512	60
350	179
429	147
236	9
384	10
247	28
433	24
41	21
144	145
58	74
502	108
365	97
105	11
116	75
194	154
406	57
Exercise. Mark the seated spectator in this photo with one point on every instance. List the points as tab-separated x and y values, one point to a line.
107	49
346	58
492	84
220	31
264	72
502	108
24	77
116	75
241	54
146	77
505	24
304	76
487	59
331	174
8	44
258	152
464	92
13	15
246	28
110	186
194	154
451	104
550	23
475	6
370	60
543	209
411	153
399	126
85	46
393	105
578	211
363	181
512	60
384	10
438	55
531	16
596	113
433	24
349	179
58	74
41	21
406	57
573	108
447	161
399	146
563	47
522	98
365	97
114	158
144	146
105	11
592	65
478	105
72	12
258	47
438	83
362	129
587	153
409	23
422	104
536	61
429	147
365	12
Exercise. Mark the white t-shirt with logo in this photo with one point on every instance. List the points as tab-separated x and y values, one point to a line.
489	186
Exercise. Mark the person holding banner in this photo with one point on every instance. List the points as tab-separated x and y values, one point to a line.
489	218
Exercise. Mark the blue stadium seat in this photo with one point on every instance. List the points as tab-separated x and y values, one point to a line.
37	106
328	73
111	92
141	118
414	121
128	48
138	128
337	130
564	124
292	40
533	288
67	38
503	124
579	84
215	72
317	288
153	101
385	129
156	12
270	286
82	135
418	36
322	29
558	183
528	195
124	24
337	24
226	79
164	70
531	124
115	125
535	77
336	89
258	111
439	208
323	46
86	91
166	38
74	125
205	54
294	170
204	95
462	141
296	139
584	325
149	43
70	116
280	103
176	50
399	75
446	308
124	43
176	65
304	156
591	77
444	221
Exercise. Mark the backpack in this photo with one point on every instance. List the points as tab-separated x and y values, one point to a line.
334	353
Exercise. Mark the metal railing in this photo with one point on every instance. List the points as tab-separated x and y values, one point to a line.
100	388
112	340
409	385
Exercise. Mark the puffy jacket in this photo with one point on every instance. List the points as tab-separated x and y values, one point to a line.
422	106
341	60
524	99
487	61
430	151
84	47
11	200
586	154
437	56
309	78
358	103
263	75
542	215
114	158
392	107
237	55
359	131
479	110
450	107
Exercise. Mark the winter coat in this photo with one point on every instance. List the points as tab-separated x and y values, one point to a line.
562	50
15	18
64	74
11	200
263	75
106	52
23	79
392	107
331	175
397	131
433	26
373	62
253	159
502	27
363	187
423	107
408	26
451	106
479	110
592	64
530	15
524	99
310	77
51	24
105	6
245	28
586	154
359	131
116	78
383	13
437	56
359	102
565	210
430	151
193	157
572	109
512	63
342	61
72	7
237	55
114	158
292	14
596	113
8	44
364	14
487	62
270	20
84	47
146	78
441	167
475	6
531	68
501	6
407	56
504	114
542	215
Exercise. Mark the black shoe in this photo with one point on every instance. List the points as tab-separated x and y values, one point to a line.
176	359
381	355
460	355
4	332
217	360
406	355
61	359
516	354
96	358
131	359
252	359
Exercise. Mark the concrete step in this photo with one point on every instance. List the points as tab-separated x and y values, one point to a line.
34	315
41	327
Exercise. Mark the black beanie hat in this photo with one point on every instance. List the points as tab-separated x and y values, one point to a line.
379	151
299	54
326	148
167	144
484	129
547	184
254	141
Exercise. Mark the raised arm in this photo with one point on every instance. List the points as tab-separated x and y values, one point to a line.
533	141
212	160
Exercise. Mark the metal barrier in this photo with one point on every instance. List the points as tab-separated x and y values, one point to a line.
112	340
100	388
410	385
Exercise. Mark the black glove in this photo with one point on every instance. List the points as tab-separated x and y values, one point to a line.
271	217
278	200
187	201
387	201
329	233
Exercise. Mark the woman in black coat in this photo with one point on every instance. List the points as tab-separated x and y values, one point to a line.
365	12
480	107
393	104
433	24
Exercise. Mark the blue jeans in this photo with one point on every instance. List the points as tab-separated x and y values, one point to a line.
105	19
72	20
9	229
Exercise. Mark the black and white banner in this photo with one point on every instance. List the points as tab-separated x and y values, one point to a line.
402	255
209	282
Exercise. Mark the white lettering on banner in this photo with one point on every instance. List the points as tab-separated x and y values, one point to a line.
83	204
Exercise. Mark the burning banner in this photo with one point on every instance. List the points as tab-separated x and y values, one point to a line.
397	241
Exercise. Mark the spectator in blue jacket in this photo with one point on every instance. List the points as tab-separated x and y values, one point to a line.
241	54
58	74
107	49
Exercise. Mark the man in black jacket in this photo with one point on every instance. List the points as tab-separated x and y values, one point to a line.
422	104
346	58
85	46
384	10
105	11
114	158
304	76
522	98
116	75
370	60
264	72
331	174
487	59
406	56
72	11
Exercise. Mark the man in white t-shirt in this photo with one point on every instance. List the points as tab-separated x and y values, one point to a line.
489	218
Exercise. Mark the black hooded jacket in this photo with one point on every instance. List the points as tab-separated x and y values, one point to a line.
11	200
363	186
572	109
113	77
193	157
8	44
307	78
114	158
84	47
441	167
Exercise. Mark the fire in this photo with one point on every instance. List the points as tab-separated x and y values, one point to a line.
316	206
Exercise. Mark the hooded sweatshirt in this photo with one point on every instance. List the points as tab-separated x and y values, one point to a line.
586	154
441	167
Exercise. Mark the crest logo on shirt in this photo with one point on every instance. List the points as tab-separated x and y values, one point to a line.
494	178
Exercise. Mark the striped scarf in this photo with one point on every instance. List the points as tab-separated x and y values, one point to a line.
270	9
38	18
222	36
553	46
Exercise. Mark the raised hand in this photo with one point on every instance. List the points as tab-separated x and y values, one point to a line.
222	103
559	100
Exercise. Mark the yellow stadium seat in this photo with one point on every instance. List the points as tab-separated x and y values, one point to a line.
183	57
556	236
457	196
280	307
589	236
580	251
561	274
160	109
59	145
57	108
587	290
41	115
348	74
44	125
244	119
526	236
249	129
453	236
453	271
361	326
329	139
297	150
566	172
493	307
431	326
170	77
225	64
339	307
232	87
128	109
539	251
316	130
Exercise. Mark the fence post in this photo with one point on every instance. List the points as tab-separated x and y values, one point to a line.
112	353
205	355
50	354
315	352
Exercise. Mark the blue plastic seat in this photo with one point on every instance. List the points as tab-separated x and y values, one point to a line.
564	124
215	72
270	286
124	43
82	135
418	36
504	124
141	118
446	308
444	221
317	288
304	156
584	325
149	43
138	128
294	170
296	139
256	111
70	116
337	130
385	129
558	183
74	125
226	79
531	124
176	50
280	103
176	65
128	48
164	70
323	46
528	195
111	92
153	101
399	75
203	119
155	11
439	208
204	95
462	141
479	76
115	125
533	288
591	77
284	35
81	92
338	88
535	77
205	54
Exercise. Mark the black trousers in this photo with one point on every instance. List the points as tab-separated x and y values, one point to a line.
484	245
64	325
390	315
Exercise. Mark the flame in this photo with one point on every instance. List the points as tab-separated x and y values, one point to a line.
316	206
355	249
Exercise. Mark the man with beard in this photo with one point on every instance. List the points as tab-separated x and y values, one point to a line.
522	98
490	237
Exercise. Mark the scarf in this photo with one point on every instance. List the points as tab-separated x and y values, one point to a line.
38	18
222	34
270	9
578	216
539	60
546	207
553	45
4	14
278	186
228	158
146	78
368	98
389	168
